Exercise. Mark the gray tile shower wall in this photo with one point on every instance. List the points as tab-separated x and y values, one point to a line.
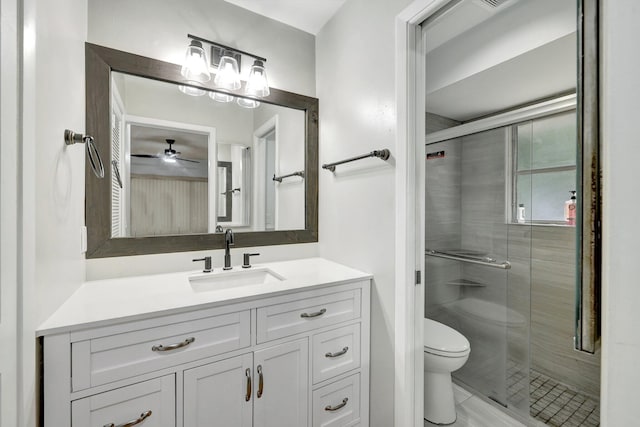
552	312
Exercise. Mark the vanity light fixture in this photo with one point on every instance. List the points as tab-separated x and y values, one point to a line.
247	103
228	74
221	97
195	68
257	84
227	64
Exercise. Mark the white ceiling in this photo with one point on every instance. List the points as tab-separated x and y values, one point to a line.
478	64
306	15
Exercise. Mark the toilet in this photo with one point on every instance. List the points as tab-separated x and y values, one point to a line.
445	350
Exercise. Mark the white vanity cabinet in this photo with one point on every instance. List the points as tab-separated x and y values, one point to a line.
267	388
277	359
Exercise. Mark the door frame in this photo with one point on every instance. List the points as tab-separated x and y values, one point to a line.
409	298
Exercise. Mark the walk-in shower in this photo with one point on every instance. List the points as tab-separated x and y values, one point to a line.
504	197
506	279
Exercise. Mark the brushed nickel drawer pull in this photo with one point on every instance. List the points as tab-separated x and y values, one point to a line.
260	382
316	314
247	396
173	346
339	353
339	406
132	423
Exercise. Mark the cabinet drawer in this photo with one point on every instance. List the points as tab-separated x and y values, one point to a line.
151	402
335	352
337	404
106	359
281	320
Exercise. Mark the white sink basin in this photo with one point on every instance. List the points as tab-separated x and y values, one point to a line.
204	282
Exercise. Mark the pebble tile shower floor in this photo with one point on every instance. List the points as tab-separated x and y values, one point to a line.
557	405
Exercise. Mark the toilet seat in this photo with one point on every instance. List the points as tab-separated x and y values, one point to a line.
442	340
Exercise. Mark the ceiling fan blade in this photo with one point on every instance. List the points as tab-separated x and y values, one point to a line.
147	156
187	160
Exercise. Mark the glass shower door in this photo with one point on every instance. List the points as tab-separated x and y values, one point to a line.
478	262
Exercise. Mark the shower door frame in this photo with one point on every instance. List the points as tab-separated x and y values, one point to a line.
410	195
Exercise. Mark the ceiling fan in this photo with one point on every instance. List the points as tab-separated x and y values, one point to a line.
170	155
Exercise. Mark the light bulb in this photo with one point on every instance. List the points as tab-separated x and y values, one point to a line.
257	84
228	75
248	103
190	90
220	97
196	66
169	159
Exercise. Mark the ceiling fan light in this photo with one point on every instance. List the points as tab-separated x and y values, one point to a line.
257	84
248	103
221	97
169	159
228	74
196	66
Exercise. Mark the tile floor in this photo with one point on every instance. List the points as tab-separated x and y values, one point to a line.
557	405
474	412
552	404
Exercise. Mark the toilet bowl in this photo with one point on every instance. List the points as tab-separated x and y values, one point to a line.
445	350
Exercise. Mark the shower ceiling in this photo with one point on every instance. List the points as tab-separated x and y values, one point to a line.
480	61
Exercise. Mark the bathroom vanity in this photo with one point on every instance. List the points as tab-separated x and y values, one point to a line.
281	344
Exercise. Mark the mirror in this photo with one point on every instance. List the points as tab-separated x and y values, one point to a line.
184	168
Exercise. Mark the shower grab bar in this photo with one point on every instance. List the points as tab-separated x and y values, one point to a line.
381	154
480	260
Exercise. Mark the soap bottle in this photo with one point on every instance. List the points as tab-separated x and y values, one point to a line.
570	209
520	216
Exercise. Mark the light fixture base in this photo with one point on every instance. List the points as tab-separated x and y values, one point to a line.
216	55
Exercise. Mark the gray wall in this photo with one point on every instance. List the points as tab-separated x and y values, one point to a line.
552	311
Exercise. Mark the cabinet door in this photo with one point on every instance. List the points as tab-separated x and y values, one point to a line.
151	403
219	393
282	385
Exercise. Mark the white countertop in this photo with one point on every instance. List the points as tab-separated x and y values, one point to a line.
104	302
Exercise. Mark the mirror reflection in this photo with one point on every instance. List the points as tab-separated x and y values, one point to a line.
190	165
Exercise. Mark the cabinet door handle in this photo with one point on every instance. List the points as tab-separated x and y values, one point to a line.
339	406
131	423
339	353
316	314
173	346
247	373
260	382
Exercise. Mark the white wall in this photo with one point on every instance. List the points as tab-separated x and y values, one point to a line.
9	207
290	158
159	30
51	175
621	293
59	168
355	84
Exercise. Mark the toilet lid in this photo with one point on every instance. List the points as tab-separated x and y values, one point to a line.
439	338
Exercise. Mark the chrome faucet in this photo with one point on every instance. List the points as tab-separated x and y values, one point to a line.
228	241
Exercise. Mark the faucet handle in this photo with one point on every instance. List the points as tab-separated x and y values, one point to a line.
246	258
207	264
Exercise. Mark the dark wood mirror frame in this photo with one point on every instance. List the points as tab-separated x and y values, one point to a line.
100	62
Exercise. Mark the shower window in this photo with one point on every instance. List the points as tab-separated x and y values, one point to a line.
544	164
